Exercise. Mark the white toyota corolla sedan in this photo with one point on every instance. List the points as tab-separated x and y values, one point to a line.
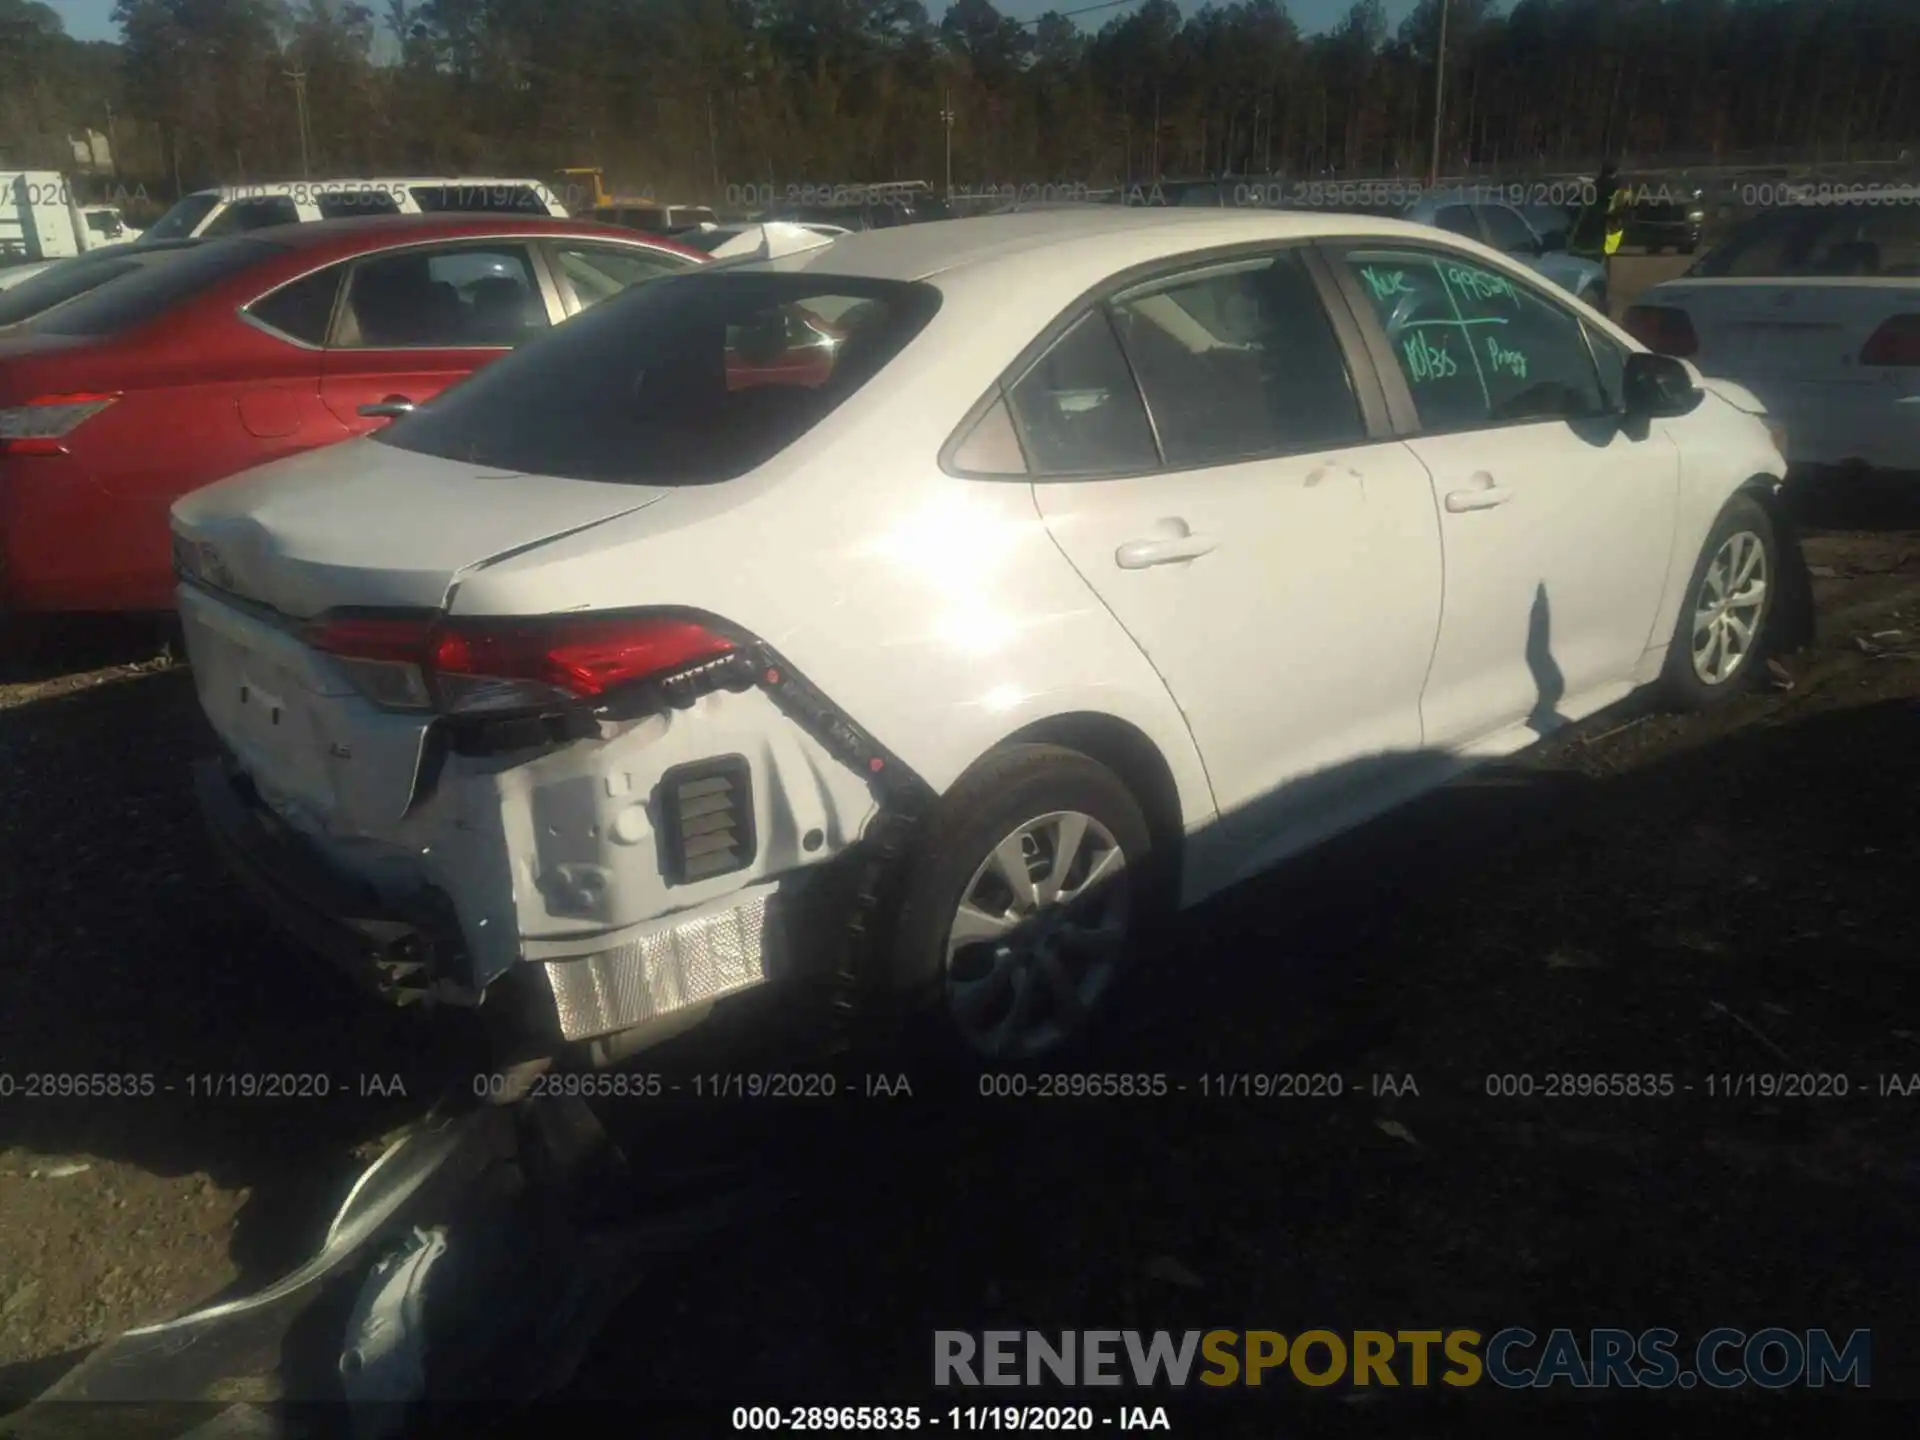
917	617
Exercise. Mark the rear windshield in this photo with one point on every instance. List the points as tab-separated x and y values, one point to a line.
1824	240
58	284
134	299
686	380
179	221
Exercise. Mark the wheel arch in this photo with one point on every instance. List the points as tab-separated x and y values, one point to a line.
1131	754
1794	618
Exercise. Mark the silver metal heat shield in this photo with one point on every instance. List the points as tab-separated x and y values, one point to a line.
689	964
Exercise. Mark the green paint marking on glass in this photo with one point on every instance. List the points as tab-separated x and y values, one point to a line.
1505	361
1472	284
1427	361
1385	283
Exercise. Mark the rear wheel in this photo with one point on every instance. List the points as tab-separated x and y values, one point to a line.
1023	907
1720	638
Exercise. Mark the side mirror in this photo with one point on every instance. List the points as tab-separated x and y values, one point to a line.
1656	386
1553	242
1530	248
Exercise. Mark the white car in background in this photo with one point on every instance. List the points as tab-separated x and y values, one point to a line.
724	242
1101	561
1815	309
1535	235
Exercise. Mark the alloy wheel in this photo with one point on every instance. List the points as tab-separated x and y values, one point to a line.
1728	606
1038	937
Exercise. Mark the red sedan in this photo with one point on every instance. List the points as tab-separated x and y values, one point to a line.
242	350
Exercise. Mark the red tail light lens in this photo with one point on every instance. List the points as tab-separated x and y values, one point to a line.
465	666
1662	329
40	426
1895	343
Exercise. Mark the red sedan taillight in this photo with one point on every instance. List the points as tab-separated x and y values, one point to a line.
41	426
464	667
1662	329
1897	342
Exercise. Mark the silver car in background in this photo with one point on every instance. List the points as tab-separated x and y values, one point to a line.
1535	235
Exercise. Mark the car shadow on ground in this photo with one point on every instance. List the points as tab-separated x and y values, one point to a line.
1857	500
1737	907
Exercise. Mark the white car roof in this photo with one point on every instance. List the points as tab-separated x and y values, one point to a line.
1079	247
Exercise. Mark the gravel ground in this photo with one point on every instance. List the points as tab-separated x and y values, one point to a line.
1718	895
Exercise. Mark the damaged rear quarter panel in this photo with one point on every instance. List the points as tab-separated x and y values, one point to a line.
936	613
568	839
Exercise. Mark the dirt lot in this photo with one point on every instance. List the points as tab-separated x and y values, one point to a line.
1717	896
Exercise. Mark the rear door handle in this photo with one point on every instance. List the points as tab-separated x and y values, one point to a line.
391	408
1483	496
1139	554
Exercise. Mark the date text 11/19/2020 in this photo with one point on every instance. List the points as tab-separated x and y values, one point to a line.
841	1419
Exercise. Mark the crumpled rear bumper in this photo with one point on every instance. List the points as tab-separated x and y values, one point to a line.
405	956
401	957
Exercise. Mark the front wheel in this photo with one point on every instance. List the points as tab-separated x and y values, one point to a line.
1023	905
1720	637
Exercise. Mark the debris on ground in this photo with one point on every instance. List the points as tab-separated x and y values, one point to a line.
1396	1130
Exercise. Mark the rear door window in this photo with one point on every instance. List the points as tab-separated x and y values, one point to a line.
465	297
244	215
687	380
1239	361
145	295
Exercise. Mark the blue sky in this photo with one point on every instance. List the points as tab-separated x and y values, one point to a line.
93	19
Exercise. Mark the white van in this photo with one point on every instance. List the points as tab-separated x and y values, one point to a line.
233	209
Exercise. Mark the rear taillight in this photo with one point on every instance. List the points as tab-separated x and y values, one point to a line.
463	667
41	426
1662	329
1895	343
384	658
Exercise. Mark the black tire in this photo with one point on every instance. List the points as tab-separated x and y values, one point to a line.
1681	686
1006	790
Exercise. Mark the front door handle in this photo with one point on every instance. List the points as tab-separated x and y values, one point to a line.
1483	496
1139	554
391	408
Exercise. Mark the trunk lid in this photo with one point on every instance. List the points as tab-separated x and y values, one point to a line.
363	524
1787	329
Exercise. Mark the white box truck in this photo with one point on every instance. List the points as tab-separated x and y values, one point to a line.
41	220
